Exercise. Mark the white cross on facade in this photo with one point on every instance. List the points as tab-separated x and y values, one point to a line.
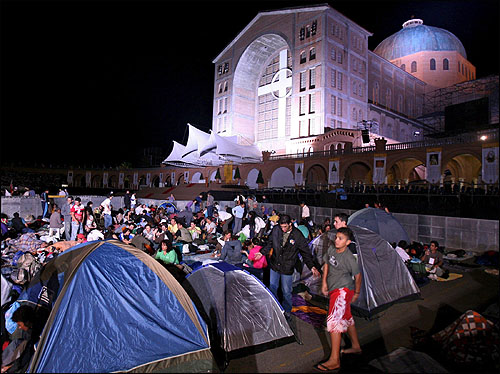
282	84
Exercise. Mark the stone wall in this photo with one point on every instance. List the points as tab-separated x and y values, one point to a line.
451	232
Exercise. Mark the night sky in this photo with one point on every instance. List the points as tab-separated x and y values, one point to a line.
96	81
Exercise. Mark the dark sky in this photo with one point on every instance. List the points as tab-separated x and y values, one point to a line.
93	81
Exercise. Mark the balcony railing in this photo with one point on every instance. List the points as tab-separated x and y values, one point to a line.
486	136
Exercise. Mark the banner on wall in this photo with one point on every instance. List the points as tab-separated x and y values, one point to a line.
88	178
161	180
172	179
333	171
379	167
120	180
136	180
148	179
433	165
105	179
186	177
299	173
70	176
228	173
490	163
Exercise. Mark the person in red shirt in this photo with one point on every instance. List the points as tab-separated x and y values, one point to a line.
76	218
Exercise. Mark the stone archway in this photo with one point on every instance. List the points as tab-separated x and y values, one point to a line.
316	176
113	181
357	172
196	177
406	170
462	168
282	177
156	181
251	180
96	181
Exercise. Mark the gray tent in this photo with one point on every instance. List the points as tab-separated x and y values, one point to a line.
242	310
381	222
386	278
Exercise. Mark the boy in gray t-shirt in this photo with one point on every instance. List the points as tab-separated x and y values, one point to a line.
338	271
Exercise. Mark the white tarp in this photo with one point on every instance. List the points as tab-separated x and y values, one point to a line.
203	149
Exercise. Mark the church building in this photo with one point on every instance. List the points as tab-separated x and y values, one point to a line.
303	80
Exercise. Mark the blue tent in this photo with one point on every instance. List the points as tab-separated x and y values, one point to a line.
381	222
114	308
169	207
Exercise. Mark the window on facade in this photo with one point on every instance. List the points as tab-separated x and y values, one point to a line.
303	128
302	105
414	67
333	104
226	67
220	87
311	128
446	64
312	103
376	97
225	105
333	78
339	80
403	67
360	115
219	69
354	114
339	107
339	57
225	86
303	81
302	33
432	64
303	57
312	78
333	54
314	27
354	88
219	106
312	54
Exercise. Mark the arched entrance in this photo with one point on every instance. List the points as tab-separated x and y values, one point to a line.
252	178
196	177
316	177
357	172
465	168
282	177
405	171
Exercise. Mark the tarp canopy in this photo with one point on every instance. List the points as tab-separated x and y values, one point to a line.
241	309
381	222
386	278
117	309
203	149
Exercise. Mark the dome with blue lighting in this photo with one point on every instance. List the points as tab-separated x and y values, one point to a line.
416	37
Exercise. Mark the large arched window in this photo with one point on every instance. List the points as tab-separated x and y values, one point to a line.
403	66
414	67
446	64
433	64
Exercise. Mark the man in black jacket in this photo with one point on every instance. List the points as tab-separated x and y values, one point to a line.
282	249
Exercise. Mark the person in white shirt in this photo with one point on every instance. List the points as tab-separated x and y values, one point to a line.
401	249
106	211
238	212
306	215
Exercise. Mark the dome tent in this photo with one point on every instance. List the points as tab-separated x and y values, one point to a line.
116	309
386	279
381	222
240	309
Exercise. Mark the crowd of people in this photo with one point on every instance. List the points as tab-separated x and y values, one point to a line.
251	235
